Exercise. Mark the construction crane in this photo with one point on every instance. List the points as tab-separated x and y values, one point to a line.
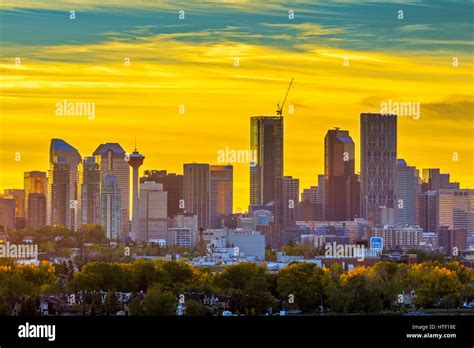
280	108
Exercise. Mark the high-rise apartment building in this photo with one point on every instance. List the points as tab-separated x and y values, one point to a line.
59	203
71	157
110	207
88	192
113	160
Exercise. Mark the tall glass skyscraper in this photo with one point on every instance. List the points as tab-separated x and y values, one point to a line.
70	157
111	206
378	161
407	191
112	160
266	174
59	205
88	192
221	193
341	185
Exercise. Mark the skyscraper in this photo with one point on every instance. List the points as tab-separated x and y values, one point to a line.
112	160
455	210
110	206
59	203
433	180
7	214
71	157
407	191
19	196
135	161
36	210
34	182
266	174
88	192
378	158
290	200
172	184
221	193
196	187
341	186
152	213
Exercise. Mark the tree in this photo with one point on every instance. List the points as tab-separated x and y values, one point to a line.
158	302
436	287
92	233
248	286
304	283
194	308
4	307
389	279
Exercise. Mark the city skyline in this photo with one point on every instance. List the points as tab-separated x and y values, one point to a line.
143	171
225	64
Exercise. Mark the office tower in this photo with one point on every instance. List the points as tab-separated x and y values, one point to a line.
172	183
378	159
135	161
59	203
290	200
152	213
455	210
110	207
430	202
34	182
221	193
71	157
196	189
7	214
452	241
341	189
19	196
321	189
112	160
88	192
407	191
433	180
310	195
36	207
266	140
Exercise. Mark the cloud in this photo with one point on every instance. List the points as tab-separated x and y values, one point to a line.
414	27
